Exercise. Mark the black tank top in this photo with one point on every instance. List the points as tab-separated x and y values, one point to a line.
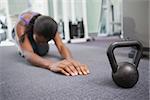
41	50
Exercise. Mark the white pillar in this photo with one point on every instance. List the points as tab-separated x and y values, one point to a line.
84	8
121	12
65	19
108	31
73	19
9	24
55	10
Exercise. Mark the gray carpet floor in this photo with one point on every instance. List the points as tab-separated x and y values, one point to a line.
21	81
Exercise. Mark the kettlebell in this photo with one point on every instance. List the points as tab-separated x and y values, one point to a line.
125	74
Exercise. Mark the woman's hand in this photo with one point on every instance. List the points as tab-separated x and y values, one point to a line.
69	67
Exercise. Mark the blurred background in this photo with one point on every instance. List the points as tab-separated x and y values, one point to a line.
84	20
95	13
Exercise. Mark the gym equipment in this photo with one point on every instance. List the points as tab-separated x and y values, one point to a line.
72	30
125	74
3	30
61	28
80	29
76	29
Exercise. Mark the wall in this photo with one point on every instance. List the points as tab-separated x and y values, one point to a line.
17	6
50	8
135	13
78	7
93	15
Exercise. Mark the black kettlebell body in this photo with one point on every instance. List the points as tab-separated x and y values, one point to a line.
125	74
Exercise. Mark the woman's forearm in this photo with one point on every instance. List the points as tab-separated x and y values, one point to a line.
36	60
65	52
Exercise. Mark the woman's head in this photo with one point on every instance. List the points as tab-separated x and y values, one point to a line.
44	28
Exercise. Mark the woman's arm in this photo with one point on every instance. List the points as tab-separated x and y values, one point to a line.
73	65
63	50
33	58
27	50
36	60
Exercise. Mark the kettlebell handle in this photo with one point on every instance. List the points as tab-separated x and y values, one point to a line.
111	57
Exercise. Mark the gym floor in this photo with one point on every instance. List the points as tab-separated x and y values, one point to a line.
21	81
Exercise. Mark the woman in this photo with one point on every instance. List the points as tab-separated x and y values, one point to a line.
32	33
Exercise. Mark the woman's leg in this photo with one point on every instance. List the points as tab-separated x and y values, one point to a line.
14	37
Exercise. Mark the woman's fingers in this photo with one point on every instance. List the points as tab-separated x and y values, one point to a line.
79	70
67	68
77	66
64	72
60	69
70	68
73	69
84	69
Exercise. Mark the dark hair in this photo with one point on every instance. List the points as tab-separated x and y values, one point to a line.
45	26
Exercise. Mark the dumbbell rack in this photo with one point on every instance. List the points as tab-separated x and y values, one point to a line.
65	18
